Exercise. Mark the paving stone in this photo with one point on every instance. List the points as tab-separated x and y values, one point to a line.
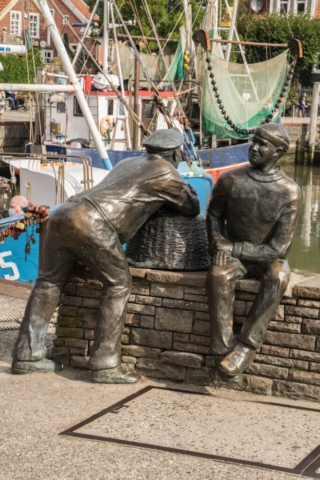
128	367
181	337
267	370
88	317
311	326
201	328
202	316
146	321
188	297
59	342
199	376
199	339
292	319
88	291
76	343
191	347
282	362
314	367
157	369
135	351
303	355
70	332
70	288
132	319
138	272
173	319
132	298
170	291
140	289
308	303
66	321
184	359
61	355
195	291
304	312
80	361
209	361
91	302
304	377
126	359
295	390
152	338
245	296
304	342
142	309
251	286
289	301
181	304
193	279
89	334
276	351
78	351
71	300
239	307
68	311
279	313
125	339
310	288
146	300
285	327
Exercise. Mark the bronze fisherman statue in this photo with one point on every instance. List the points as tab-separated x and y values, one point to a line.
92	226
250	222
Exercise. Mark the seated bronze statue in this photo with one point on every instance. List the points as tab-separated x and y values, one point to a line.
92	226
250	222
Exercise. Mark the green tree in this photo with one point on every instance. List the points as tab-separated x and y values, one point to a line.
167	16
15	68
277	28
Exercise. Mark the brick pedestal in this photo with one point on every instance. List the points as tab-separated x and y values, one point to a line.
166	332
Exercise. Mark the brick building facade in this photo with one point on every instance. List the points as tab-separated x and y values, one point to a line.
17	15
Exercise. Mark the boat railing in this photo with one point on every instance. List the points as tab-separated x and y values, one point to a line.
59	161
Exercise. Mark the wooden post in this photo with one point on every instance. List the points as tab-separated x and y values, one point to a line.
313	119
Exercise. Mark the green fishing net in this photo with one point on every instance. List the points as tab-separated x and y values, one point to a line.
247	92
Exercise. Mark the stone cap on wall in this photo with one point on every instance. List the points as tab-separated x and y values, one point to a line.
301	284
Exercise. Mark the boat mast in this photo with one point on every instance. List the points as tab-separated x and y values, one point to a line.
75	82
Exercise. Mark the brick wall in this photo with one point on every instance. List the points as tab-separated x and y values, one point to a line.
166	332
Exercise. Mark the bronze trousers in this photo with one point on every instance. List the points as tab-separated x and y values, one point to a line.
76	231
221	284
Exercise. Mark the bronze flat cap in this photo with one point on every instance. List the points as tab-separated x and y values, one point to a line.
164	139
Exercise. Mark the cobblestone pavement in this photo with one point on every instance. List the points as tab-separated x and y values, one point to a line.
36	408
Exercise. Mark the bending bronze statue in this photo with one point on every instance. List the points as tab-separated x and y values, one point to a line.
250	222
93	226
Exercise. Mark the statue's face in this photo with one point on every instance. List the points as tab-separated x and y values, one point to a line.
262	154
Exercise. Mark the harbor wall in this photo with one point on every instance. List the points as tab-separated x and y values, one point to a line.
166	333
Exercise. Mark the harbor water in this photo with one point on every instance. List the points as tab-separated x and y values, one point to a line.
305	251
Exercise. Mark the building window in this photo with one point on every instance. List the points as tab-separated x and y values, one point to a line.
300	6
34	25
47	56
77	112
66	19
284	6
110	107
15	23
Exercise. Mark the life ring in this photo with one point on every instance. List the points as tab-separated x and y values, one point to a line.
103	131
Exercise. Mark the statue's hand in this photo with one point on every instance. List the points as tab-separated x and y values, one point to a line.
220	258
221	250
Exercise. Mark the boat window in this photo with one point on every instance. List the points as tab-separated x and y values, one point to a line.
76	108
61	107
121	109
110	107
148	109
